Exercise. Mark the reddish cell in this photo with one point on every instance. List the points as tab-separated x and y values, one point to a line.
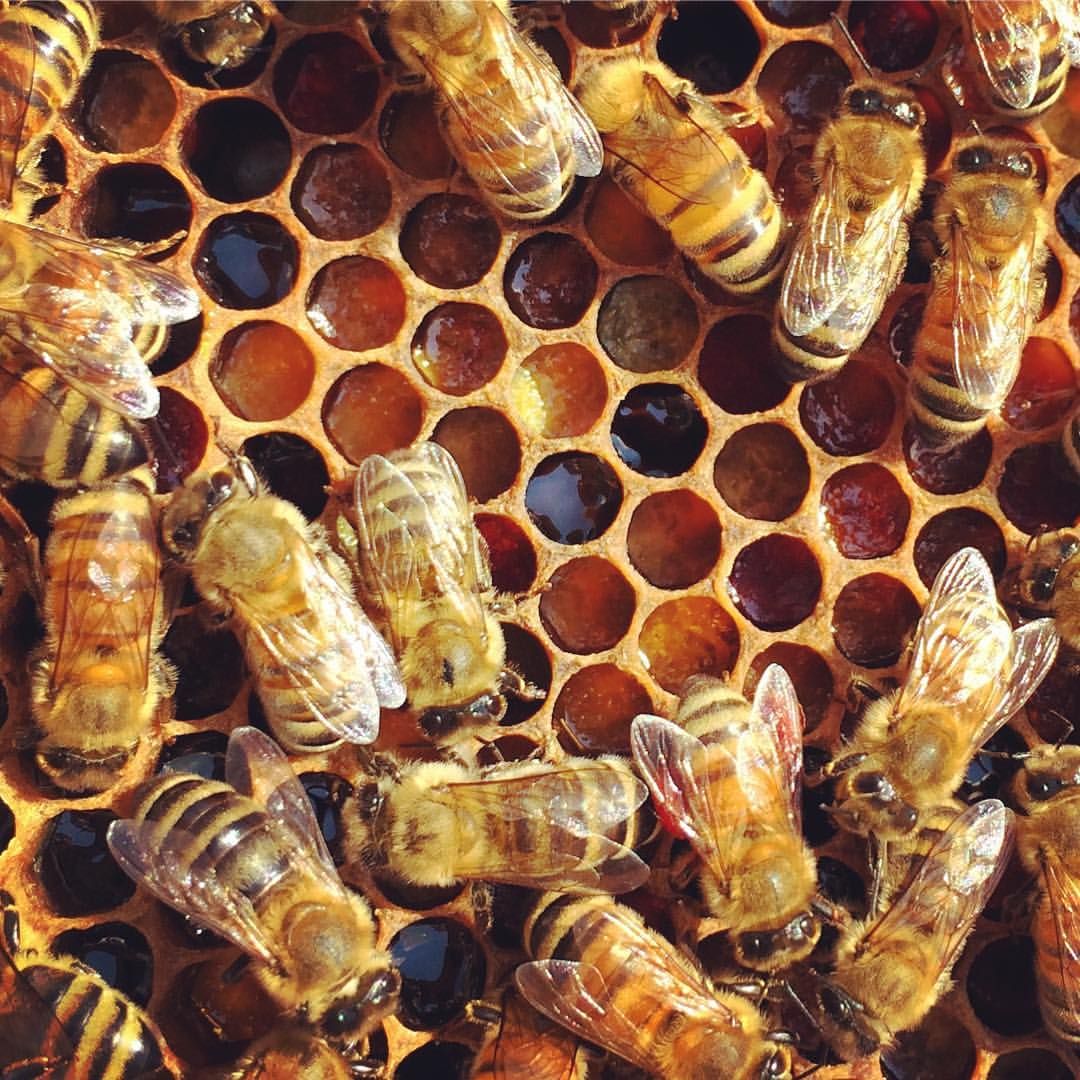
948	532
775	582
410	133
874	617
450	240
372	409
1038	490
326	84
673	539
510	554
549	281
179	437
763	472
801	84
809	673
356	303
893	35
733	368
866	511
1045	389
587	605
849	413
341	192
692	635
947	471
458	348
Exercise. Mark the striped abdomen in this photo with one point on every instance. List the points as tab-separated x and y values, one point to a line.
1056	963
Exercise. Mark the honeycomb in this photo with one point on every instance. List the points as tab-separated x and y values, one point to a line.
659	501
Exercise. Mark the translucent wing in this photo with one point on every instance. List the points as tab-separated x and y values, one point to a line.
1008	48
1063	898
18	57
776	703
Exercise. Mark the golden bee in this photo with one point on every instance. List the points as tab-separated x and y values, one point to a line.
293	1051
849	252
99	679
246	859
603	975
220	33
1048	582
424	574
513	126
671	151
570	826
60	1018
1047	791
320	668
987	289
969	672
727	776
891	969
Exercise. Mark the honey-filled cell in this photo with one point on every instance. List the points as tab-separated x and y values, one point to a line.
357	303
372	409
341	192
801	83
119	953
1045	389
730	367
775	582
209	666
762	472
658	430
947	470
458	348
797	13
262	370
623	232
1054	280
873	620
1038	490
573	497
595	707
893	35
1001	986
849	413
948	532
410	134
1031	1061
246	260
647	324
692	635
125	103
559	390
144	203
865	511
179	436
1062	122
550	280
485	446
435	1058
940	1048
604	26
809	673
673	539
77	870
587	605
511	556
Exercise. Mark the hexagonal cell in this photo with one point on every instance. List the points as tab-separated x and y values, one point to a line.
1031	1061
1067	214
237	149
356	303
326	84
179	437
673	539
573	497
623	232
692	635
559	390
1045	389
372	409
511	556
762	472
647	324
436	1058
199	73
865	511
411	136
1001	986
341	192
442	968
458	348
485	446
658	430
893	36
527	655
950	470
730	367
775	582
595	708
801	84
1038	490
587	606
77	870
849	413
412	897
292	468
119	953
714	45
940	1048
180	344
136	202
797	13
246	260
1062	123
549	281
262	370
200	752
873	619
450	241
209	666
948	532
810	675
125	103
604	26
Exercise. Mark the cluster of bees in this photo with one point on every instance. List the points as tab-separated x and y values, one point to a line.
397	605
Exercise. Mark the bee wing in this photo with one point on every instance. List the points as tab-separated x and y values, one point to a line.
1008	49
1068	17
1063	896
777	705
529	1043
18	58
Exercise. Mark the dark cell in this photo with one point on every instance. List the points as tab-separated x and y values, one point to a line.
818	825
735	369
326	84
450	241
991	770
292	468
7	818
673	539
796	13
842	885
1045	389
458	348
1057	700
893	36
136	202
199	752
658	430
246	261
356	303
604	27
442	969
372	409
712	44
849	413
1067	214
341	192
117	952
775	582
238	149
316	12
209	664
75	865
526	655
446	1060
1024	1064
810	675
865	511
180	345
940	1048
951	530
179	436
507	748
692	635
647	324
485	446
873	620
948	471
413	897
411	135
573	497
763	472
510	553
1001	986
263	370
595	708
587	605
125	103
550	281
330	795
801	84
1038	490
937	131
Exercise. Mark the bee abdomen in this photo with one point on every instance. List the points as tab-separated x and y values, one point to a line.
1054	1000
812	356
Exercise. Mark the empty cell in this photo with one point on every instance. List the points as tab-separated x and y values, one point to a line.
356	303
458	348
587	606
372	409
762	472
692	635
485	446
873	620
209	666
714	45
1067	214
595	708
604	26
262	370
559	390
1031	1061
940	1048
865	511
673	539
442	968
527	655
775	582
573	498
292	469
1001	986
647	324
797	13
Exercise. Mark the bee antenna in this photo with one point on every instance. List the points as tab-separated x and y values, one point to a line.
801	1006
854	47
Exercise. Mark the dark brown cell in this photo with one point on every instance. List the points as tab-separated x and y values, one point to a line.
940	1048
529	657
1045	389
326	84
1001	986
356	303
647	324
763	472
292	469
458	348
604	27
180	345
1056	700
1038	490
714	45
410	133
734	368
1062	123
573	497
262	370
442	968
119	953
246	260
796	13
341	192
199	752
658	430
1054	275
849	413
693	635
948	532
873	619
587	606
485	446
316	12
947	471
209	665
1023	1064
624	233
810	675
7	817
372	409
865	510
775	582
1067	214
801	84
507	748
673	539
75	866
510	554
893	36
179	436
1074	317
560	390
595	707
450	240
136	202
550	281
435	1058
125	104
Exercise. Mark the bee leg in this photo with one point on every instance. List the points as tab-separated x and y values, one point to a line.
481	899
32	1068
879	863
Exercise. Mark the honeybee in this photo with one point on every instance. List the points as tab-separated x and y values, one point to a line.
99	679
602	974
320	668
570	826
970	671
220	33
513	126
294	1051
424	573
246	859
60	1018
849	253
670	151
987	289
1048	792
1048	582
730	783
891	969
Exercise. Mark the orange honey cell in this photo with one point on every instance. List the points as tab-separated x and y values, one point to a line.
595	708
587	605
372	409
263	370
692	635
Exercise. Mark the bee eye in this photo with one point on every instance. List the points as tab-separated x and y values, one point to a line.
1041	786
219	488
1042	584
183	536
870	784
776	1065
974	159
340	1020
755	946
837	1005
865	101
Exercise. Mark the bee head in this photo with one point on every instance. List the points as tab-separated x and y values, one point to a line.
187	513
845	1022
774	1064
873	805
863	100
352	1016
771	950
